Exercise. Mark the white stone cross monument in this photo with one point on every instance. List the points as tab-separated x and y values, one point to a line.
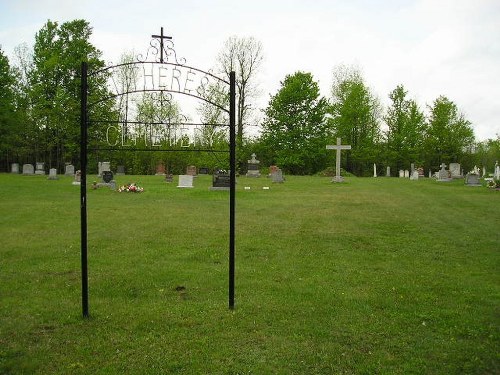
338	147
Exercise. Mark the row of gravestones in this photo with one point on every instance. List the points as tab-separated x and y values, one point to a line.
29	169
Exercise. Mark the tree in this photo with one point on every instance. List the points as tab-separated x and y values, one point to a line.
55	87
294	129
354	118
406	130
449	133
243	56
8	114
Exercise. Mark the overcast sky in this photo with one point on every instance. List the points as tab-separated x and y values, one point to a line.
432	47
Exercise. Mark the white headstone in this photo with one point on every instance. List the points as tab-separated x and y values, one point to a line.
106	166
443	174
401	173
414	176
496	175
374	170
455	170
40	168
407	173
28	169
15	168
338	147
69	170
52	174
185	181
78	178
388	172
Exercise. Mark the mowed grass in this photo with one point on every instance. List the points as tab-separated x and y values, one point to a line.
380	275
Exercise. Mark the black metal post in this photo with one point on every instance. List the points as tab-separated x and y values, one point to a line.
232	189
83	190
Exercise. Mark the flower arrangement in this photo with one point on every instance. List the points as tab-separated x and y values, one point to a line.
130	188
493	184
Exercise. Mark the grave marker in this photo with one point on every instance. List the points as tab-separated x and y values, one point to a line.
443	174
185	181
69	170
40	168
52	174
28	169
338	147
253	167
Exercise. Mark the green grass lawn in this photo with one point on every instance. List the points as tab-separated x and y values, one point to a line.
380	275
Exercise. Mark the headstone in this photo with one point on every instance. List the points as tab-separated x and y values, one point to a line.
160	170
191	170
14	168
277	176
414	176
40	167
338	147
374	170
430	173
107	176
443	174
120	170
106	166
407	173
388	172
253	167
401	173
99	169
455	171
412	169
272	169
472	179
420	171
221	180
69	170
52	174
28	169
484	172
185	181
203	170
496	175
78	176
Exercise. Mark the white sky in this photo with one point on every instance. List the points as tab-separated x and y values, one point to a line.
432	47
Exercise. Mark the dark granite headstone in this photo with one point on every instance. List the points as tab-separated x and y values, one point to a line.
107	176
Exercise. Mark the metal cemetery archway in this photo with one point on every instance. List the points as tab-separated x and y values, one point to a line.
162	74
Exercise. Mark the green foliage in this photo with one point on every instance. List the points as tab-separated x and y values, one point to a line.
449	133
55	88
355	118
406	131
330	279
294	130
8	114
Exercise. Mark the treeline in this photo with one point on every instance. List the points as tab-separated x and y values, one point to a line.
299	122
40	116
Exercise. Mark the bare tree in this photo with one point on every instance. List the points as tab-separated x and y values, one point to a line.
243	56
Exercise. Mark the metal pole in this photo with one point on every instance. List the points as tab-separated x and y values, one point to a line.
232	190
83	190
